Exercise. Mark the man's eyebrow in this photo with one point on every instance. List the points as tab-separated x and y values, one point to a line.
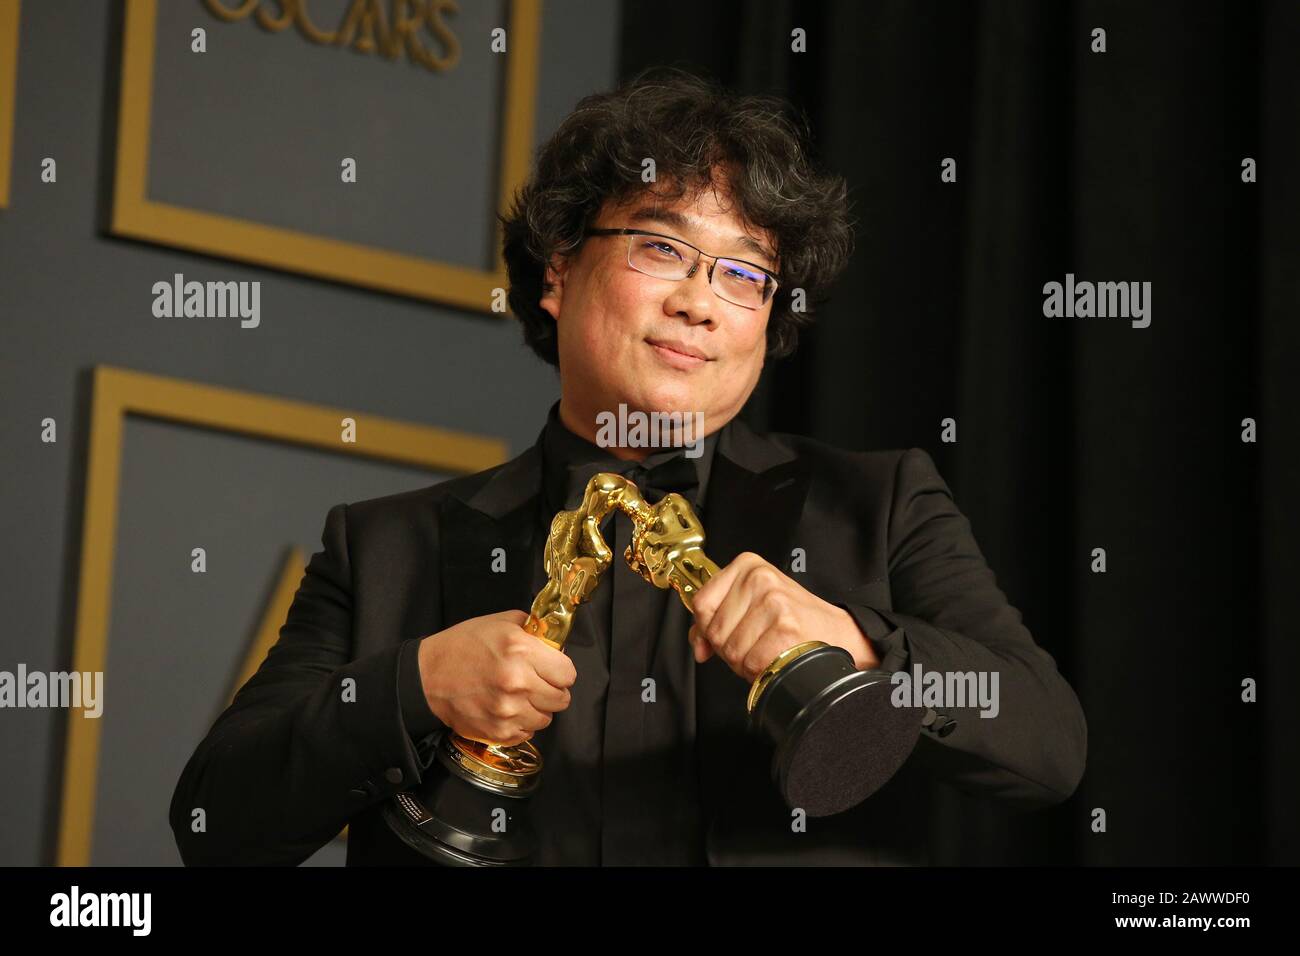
676	220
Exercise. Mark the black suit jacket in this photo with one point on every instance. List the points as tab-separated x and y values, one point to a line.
291	761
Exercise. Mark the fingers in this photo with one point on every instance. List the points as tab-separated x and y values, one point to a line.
710	596
544	674
512	721
746	615
520	685
700	645
514	729
530	720
764	651
548	699
720	595
748	581
552	666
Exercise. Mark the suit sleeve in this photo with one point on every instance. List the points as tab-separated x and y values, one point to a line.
311	739
420	721
951	617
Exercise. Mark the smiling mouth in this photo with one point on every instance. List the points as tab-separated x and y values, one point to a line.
674	357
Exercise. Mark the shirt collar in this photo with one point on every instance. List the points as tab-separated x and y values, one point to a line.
563	450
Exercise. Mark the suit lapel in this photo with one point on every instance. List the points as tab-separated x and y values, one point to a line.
500	514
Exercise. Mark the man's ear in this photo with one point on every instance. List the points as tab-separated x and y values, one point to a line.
556	270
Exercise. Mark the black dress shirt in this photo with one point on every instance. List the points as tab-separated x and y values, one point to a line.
620	780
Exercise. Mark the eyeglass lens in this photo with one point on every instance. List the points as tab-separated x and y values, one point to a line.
666	259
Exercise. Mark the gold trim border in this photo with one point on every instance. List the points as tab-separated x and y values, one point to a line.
275	614
121	392
9	17
136	216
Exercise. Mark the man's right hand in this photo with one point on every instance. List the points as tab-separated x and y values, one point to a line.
490	680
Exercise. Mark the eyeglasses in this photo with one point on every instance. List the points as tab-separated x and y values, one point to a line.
665	257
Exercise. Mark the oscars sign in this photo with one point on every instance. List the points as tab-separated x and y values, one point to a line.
835	733
387	27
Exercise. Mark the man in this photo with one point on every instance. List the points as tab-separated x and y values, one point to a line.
649	293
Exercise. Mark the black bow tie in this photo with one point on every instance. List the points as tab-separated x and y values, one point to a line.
677	474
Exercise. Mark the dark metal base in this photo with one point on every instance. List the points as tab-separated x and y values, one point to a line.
837	736
449	817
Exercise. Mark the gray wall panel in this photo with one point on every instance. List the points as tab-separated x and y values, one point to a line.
71	298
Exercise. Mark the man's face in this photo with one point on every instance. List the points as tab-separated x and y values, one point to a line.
616	325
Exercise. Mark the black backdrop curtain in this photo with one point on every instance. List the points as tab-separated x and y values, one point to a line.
1073	433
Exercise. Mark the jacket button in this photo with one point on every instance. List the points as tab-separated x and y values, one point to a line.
929	717
393	774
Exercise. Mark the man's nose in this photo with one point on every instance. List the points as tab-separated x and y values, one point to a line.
694	295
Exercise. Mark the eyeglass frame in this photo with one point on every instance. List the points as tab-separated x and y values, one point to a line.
700	254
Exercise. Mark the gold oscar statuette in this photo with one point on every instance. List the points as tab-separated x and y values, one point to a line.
835	735
667	549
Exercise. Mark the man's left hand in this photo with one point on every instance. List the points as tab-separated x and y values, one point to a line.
751	612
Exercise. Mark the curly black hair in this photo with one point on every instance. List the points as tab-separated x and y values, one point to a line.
699	135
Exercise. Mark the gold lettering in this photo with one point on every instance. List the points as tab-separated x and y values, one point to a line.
443	33
365	17
404	25
287	10
222	12
367	27
310	30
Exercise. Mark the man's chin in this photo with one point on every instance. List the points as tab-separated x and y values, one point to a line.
665	401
